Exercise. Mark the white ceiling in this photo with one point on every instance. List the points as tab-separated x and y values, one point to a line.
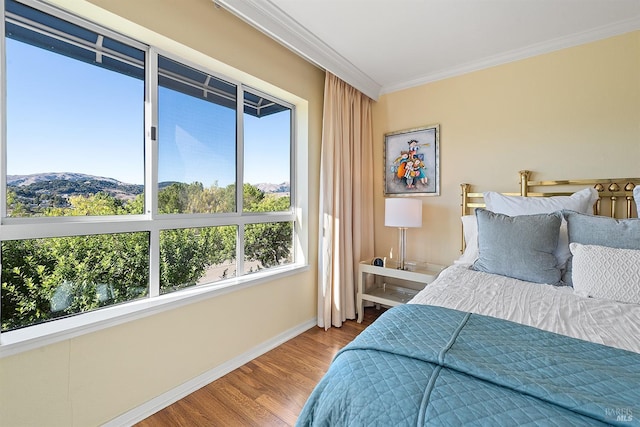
381	46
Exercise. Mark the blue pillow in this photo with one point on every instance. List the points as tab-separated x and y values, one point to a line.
520	246
601	231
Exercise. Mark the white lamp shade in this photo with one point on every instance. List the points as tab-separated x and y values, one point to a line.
403	212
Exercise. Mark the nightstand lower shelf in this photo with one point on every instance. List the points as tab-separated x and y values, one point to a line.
391	294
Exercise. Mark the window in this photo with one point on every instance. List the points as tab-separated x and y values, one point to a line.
193	256
66	87
197	140
267	150
267	245
131	175
49	278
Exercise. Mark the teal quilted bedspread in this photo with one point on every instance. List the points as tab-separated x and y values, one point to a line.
423	365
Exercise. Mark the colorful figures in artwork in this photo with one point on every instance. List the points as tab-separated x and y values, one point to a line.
413	147
409	173
409	167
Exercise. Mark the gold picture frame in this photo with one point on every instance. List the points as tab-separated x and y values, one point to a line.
412	162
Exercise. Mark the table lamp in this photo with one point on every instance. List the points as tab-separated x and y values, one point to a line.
402	213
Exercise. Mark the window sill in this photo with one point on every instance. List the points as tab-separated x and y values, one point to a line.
32	337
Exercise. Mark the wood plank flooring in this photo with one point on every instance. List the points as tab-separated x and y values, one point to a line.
268	391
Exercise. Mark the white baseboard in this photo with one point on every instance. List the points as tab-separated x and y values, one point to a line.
165	399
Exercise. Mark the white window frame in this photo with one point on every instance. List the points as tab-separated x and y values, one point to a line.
16	341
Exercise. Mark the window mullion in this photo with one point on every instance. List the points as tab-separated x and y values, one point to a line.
292	159
3	137
3	116
151	168
239	150
154	262
240	178
151	135
240	250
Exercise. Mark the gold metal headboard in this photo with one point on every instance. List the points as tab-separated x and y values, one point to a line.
610	191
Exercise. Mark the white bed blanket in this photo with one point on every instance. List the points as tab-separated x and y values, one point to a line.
552	308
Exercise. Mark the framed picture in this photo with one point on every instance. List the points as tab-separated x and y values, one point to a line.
412	162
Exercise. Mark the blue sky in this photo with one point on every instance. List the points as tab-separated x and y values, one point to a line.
67	116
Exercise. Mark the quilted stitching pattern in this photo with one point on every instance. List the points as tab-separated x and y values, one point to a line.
565	371
362	380
493	375
404	331
462	400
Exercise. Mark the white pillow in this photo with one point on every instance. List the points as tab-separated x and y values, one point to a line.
470	232
636	197
606	273
581	201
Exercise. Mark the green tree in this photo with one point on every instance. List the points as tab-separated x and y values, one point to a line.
269	243
134	206
50	277
252	197
95	204
194	198
15	207
173	199
103	269
27	287
185	254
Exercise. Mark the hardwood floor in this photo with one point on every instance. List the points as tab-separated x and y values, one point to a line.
268	391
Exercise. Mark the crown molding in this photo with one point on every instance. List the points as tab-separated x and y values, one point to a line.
271	20
611	30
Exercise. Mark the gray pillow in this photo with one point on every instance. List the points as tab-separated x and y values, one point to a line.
601	231
519	246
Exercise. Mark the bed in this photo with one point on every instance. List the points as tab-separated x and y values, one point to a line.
537	323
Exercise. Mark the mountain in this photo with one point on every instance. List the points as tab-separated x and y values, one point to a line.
37	178
53	189
274	188
22	180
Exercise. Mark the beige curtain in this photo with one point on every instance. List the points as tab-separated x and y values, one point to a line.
346	199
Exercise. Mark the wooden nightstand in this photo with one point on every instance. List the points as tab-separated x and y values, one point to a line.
381	292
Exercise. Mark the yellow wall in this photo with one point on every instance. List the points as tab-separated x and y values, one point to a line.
93	378
560	114
569	114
